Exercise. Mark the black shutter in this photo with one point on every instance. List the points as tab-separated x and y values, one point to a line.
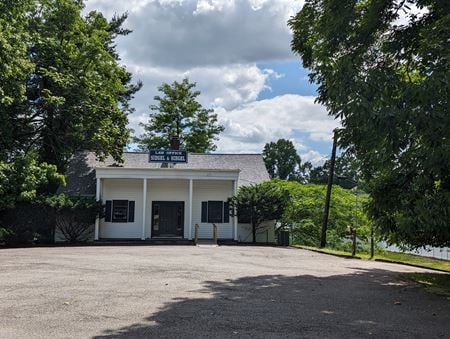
130	211
226	212
108	210
204	211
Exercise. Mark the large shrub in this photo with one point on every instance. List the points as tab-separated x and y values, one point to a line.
74	216
255	204
24	179
70	217
23	183
26	223
304	212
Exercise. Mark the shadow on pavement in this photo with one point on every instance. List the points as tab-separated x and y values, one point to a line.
370	303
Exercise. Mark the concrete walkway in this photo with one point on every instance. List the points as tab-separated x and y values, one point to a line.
199	292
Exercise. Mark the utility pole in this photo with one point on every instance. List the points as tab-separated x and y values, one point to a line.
326	212
372	243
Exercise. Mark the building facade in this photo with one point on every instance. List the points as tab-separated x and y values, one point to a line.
146	200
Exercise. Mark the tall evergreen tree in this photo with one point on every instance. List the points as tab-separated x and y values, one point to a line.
78	90
77	93
14	69
179	114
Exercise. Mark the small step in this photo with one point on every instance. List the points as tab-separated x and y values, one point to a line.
206	243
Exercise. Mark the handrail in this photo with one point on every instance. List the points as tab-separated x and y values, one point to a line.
215	233
196	234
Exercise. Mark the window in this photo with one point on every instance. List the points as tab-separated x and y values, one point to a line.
156	217
119	211
215	212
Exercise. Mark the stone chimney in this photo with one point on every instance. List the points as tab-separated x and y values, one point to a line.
175	143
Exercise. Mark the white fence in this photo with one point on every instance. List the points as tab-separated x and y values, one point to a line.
435	252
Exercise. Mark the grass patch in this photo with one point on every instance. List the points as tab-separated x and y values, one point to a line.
402	258
330	251
438	283
415	260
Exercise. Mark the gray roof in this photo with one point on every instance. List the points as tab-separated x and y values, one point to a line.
80	175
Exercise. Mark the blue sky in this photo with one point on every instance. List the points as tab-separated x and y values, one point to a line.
294	79
238	53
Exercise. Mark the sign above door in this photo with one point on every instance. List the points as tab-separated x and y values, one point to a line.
169	156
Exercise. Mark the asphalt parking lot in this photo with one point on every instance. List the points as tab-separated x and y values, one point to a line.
198	292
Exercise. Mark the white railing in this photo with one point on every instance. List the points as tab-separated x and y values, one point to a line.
435	252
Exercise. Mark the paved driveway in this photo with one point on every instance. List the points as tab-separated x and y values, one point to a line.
191	292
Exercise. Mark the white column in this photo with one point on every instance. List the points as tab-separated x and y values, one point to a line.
98	195
144	207
235	218
191	188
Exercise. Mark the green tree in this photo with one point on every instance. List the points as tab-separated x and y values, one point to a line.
389	85
24	179
77	93
179	114
255	204
14	69
74	215
281	159
304	210
346	172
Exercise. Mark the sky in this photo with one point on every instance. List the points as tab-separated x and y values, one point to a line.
238	52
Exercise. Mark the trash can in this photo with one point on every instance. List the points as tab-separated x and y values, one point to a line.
283	237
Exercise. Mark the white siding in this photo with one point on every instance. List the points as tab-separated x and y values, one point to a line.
123	189
205	190
174	190
165	190
264	233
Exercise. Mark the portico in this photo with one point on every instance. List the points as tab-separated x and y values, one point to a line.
152	195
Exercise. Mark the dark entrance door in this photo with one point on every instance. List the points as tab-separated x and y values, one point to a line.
167	218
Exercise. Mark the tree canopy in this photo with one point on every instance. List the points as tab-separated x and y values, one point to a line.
24	179
63	89
387	80
346	172
304	211
281	159
178	113
15	66
257	203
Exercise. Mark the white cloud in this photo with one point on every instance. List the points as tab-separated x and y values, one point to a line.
249	127
223	87
218	43
205	6
313	157
199	33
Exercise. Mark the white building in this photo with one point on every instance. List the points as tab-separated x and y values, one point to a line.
147	200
